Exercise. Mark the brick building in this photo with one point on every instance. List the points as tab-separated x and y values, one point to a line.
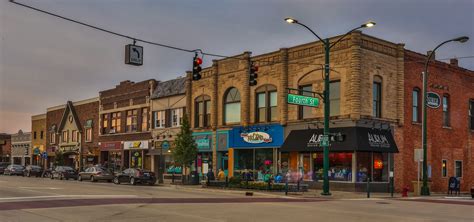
450	127
241	128
72	131
5	147
20	152
125	124
38	140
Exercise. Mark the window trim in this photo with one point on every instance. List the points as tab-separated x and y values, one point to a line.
206	121
378	108
266	90
330	100
143	122
455	170
418	105
52	138
133	116
301	108
161	124
448	110
88	140
225	103
444	161
471	114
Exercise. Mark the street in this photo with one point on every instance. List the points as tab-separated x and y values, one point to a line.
41	199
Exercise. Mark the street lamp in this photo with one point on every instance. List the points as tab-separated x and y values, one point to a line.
425	191
327	47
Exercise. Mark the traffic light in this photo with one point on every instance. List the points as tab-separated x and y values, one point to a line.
197	68
253	74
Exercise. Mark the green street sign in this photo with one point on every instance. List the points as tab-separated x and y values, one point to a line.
324	140
303	100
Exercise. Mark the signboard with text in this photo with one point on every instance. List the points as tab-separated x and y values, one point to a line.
303	100
433	100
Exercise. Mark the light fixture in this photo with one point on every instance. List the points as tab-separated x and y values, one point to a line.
368	24
461	39
291	20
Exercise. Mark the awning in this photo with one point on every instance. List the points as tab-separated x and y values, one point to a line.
341	139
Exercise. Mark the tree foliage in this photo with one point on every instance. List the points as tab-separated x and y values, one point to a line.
185	151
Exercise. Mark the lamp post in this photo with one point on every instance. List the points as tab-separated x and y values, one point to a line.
425	191
327	48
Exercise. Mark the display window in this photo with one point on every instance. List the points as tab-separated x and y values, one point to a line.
340	166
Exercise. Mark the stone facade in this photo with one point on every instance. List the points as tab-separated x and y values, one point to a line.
38	140
450	143
20	152
125	97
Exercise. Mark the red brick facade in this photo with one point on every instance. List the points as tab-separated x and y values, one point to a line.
5	147
453	143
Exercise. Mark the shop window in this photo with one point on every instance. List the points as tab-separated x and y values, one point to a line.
364	166
88	134
177	117
132	120
116	126
263	162
284	163
340	166
335	98
380	167
458	168
160	119
471	114
446	121
202	106
232	106
416	105
145	119
304	112
243	160
444	168
105	123
377	97
266	110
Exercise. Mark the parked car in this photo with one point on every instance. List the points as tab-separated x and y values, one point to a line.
96	173
3	165
14	170
134	176
63	172
33	170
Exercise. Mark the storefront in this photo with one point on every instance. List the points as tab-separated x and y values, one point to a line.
356	155
255	149
136	152
70	155
204	144
37	159
111	154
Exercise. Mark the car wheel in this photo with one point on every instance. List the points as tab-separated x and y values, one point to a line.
116	180
92	179
132	181
79	178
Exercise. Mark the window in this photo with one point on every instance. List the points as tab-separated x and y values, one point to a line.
177	117
88	134
160	119
458	168
471	114
105	123
41	135
377	99
202	117
444	168
232	106
446	121
145	119
416	105
266	104
116	126
65	137
74	136
34	135
53	138
335	98
304	112
132	120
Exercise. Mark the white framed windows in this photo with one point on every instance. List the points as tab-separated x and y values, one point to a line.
176	117
160	119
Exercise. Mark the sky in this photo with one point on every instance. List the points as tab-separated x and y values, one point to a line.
46	61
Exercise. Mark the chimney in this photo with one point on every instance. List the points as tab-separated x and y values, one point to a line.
453	62
433	57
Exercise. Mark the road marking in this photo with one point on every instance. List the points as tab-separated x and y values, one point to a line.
69	196
42	188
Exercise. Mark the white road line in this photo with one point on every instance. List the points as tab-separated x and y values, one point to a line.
69	196
41	188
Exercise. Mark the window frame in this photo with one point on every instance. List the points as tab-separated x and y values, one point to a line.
444	169
52	138
331	100
377	102
471	114
74	136
105	123
88	138
301	109
446	121
235	101
178	112
65	136
455	168
131	123
41	134
267	91
159	123
144	124
416	106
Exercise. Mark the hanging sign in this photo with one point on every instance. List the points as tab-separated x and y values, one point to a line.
433	100
134	55
256	137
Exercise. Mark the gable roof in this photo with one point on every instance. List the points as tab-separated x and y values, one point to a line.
170	88
70	108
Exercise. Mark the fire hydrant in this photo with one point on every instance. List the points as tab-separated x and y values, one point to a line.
405	191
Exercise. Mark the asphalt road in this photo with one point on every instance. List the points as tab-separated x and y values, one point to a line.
38	199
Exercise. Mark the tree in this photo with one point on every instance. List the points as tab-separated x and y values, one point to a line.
59	159
185	151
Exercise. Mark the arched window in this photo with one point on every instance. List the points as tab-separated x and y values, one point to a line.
377	97
416	105
232	106
446	120
202	110
266	101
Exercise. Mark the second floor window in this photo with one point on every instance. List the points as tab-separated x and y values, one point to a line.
160	119
41	135
446	121
232	106
34	135
52	139
177	117
65	137
304	112
116	122
144	119
132	120
88	134
266	104
202	107
74	136
377	100
416	105
335	98
105	123
471	114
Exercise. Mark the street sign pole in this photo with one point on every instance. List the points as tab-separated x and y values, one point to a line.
326	120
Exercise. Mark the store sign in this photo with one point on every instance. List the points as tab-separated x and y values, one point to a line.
66	149
378	164
36	151
378	140
317	140
203	143
106	146
142	144
256	137
433	100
